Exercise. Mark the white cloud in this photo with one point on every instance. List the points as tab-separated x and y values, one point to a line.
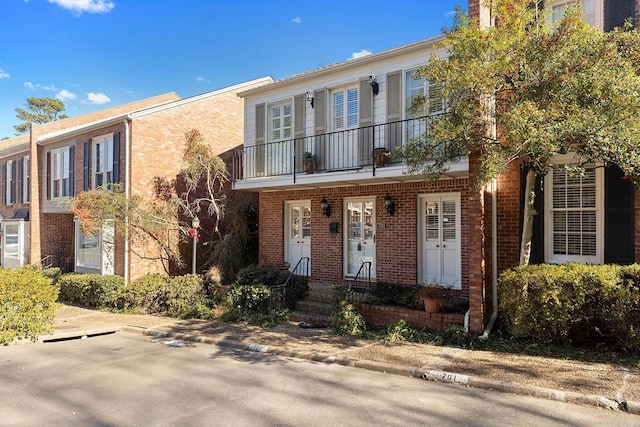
297	20
360	54
4	74
97	98
88	6
65	95
31	85
51	88
202	80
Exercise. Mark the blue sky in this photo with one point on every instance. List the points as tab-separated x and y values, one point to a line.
93	54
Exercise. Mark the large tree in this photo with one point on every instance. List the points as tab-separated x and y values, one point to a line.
527	90
39	110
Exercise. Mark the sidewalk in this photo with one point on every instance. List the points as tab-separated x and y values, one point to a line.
597	384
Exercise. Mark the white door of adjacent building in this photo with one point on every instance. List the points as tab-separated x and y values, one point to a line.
15	243
360	237
298	231
440	240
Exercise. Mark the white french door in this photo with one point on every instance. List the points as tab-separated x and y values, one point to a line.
440	240
298	232
360	237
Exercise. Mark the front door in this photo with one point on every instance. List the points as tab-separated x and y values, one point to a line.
360	238
440	240
298	232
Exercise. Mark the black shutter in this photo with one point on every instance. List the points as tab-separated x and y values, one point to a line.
4	183
19	192
617	12
13	181
72	175
116	157
537	237
619	218
85	166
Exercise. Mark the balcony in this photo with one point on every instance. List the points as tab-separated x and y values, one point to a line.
348	157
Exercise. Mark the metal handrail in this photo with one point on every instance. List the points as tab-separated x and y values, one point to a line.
364	289
283	289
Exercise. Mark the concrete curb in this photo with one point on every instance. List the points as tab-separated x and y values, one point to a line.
425	374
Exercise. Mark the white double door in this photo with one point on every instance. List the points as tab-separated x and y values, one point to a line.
360	235
439	219
298	231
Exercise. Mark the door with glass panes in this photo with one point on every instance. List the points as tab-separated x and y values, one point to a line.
440	240
298	231
360	237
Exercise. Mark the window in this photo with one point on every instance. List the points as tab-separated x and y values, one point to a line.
60	182
26	179
88	251
10	182
592	10
95	253
280	121
103	161
345	108
11	241
417	88
574	214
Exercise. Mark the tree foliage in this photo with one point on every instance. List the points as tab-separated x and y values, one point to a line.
547	88
39	110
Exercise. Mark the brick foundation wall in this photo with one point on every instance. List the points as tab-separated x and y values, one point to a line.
381	315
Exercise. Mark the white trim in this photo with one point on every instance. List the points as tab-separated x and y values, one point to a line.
287	228
345	234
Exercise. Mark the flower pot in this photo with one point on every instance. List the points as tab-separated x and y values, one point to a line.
309	165
432	305
380	156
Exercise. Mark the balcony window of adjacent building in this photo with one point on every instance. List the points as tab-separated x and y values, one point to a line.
344	108
103	161
416	89
60	182
592	10
280	121
574	224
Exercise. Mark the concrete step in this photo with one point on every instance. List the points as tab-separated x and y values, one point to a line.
311	320
317	307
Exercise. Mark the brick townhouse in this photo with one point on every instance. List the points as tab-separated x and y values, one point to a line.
131	145
357	209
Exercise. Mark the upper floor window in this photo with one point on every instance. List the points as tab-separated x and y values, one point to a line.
344	108
280	121
103	161
592	10
10	182
417	88
60	164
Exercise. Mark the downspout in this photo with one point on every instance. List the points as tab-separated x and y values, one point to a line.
126	194
494	259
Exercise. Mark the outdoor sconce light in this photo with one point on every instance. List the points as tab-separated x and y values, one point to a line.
310	98
373	83
325	208
389	205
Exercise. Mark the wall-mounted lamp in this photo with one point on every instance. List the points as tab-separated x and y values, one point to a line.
325	208
373	83
310	98
389	205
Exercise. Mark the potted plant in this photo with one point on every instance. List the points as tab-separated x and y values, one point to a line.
380	156
309	162
432	296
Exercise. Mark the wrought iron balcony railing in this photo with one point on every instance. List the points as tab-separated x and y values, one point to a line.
335	151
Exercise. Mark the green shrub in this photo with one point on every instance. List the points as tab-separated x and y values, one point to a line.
395	294
52	273
184	294
27	304
573	303
147	294
298	290
90	290
347	320
254	275
400	331
246	302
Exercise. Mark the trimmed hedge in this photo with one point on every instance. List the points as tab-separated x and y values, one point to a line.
90	290
177	296
27	304
573	304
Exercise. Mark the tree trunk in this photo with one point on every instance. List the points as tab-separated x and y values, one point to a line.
528	215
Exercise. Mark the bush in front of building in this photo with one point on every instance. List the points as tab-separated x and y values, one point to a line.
90	290
27	304
573	304
177	296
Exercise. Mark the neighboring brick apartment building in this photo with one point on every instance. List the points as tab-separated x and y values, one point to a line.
410	230
131	144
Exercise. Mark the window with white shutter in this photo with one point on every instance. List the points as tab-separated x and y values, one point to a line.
102	161
60	183
345	108
574	217
280	121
